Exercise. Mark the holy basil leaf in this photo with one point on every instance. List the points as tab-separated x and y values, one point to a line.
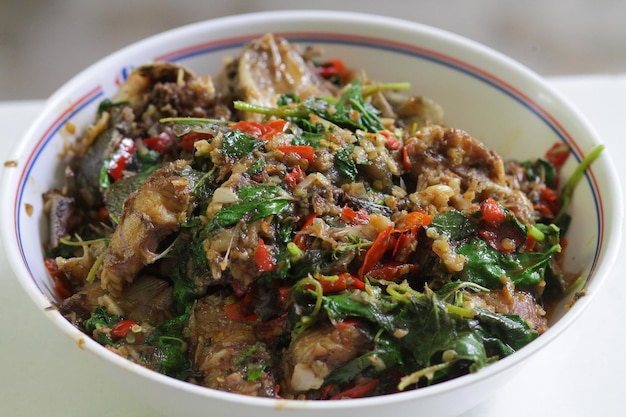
454	224
506	333
351	111
100	317
169	355
107	104
236	144
485	265
540	171
258	192
468	346
345	164
309	138
424	323
431	329
350	103
253	210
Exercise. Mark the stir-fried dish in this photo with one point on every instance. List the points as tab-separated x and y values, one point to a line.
292	229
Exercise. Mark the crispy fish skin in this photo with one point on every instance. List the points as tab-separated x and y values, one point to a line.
151	213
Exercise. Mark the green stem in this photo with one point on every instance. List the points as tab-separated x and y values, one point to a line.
370	89
568	189
193	121
280	112
427	372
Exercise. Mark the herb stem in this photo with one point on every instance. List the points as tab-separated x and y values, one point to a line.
427	372
370	89
568	189
281	112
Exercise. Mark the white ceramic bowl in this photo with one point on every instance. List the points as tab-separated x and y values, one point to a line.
494	98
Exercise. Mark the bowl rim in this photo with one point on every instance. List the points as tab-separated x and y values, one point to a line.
10	233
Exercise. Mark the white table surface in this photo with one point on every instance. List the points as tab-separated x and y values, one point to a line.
579	374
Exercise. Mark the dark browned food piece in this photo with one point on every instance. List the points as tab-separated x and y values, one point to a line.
452	157
227	353
314	354
61	215
269	67
150	214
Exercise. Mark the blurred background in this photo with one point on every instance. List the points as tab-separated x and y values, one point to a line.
43	43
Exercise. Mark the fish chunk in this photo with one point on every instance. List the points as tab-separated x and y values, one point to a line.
227	353
318	351
271	66
150	214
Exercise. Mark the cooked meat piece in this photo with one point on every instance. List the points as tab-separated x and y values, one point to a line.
269	67
145	299
79	306
61	215
508	300
89	168
150	93
151	213
166	89
436	151
409	111
318	351
473	172
227	353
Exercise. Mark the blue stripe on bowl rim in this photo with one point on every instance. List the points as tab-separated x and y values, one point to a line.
205	48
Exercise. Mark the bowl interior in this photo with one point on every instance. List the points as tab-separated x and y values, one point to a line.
493	98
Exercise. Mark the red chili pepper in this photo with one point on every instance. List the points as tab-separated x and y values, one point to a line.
325	391
331	68
393	270
103	214
346	323
259	130
188	141
406	161
332	285
551	200
383	241
283	295
358	391
492	213
352	217
162	143
241	310
414	220
300	238
506	237
120	158
557	154
391	141
304	151
406	243
263	257
354	282
121	328
530	243
62	284
338	283
294	177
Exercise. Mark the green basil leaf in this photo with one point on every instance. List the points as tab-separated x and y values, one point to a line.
485	265
345	164
454	224
236	143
